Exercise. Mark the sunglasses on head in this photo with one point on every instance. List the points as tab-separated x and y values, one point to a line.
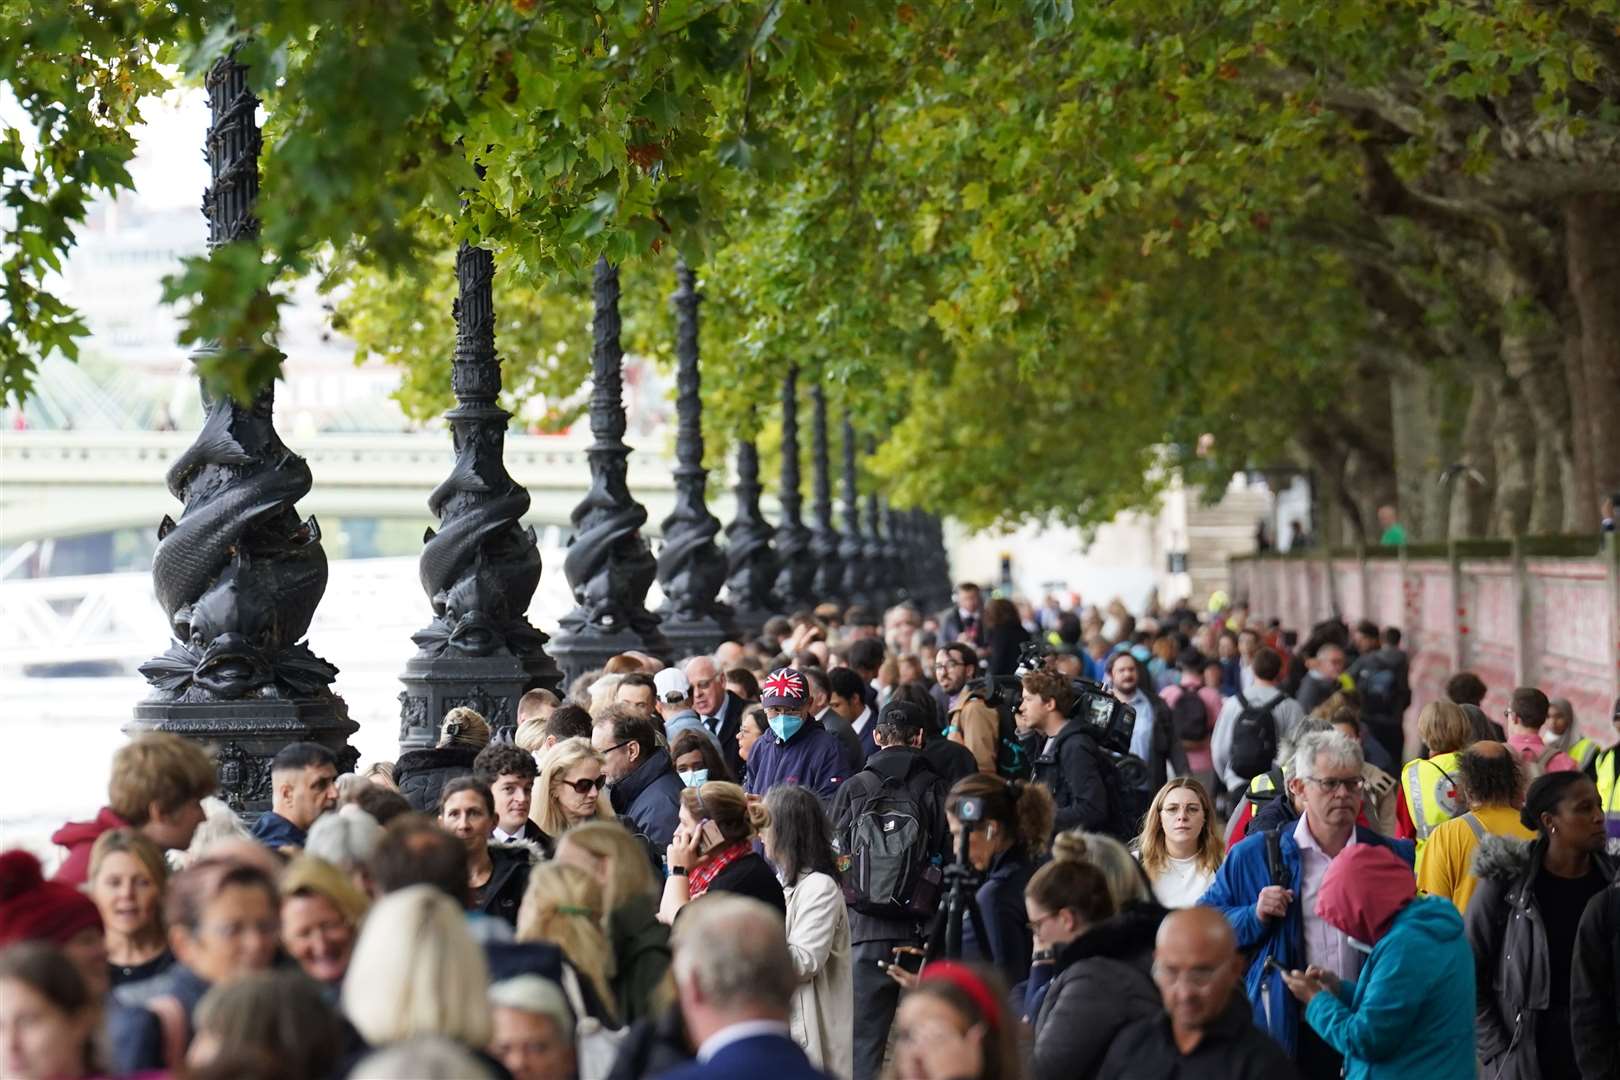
585	787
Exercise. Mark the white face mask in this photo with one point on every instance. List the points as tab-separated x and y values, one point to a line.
1548	735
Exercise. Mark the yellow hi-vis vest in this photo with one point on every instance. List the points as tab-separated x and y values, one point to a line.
1433	796
1608	785
1583	752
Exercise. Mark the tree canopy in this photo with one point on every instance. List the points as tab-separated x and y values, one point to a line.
1046	252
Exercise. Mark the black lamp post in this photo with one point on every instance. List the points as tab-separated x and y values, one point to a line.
691	568
753	565
852	549
609	565
240	574
880	587
795	583
481	567
825	549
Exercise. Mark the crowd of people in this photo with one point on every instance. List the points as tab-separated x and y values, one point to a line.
998	842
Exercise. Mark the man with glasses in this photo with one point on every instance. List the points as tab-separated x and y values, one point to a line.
642	781
720	709
1205	1029
1268	887
973	721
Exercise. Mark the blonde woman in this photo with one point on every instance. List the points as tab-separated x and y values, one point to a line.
568	790
418	972
563	906
321	911
1179	848
127	879
420	775
618	861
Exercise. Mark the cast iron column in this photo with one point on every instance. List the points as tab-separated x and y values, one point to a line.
852	550
752	584
894	554
795	584
940	561
691	568
828	586
609	565
240	574
481	567
879	585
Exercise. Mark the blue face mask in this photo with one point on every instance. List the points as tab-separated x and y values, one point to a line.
786	727
695	777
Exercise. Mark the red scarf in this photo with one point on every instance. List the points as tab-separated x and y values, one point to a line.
698	881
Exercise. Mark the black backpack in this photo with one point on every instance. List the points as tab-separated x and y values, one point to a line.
1377	686
888	845
1189	716
1130	793
1254	738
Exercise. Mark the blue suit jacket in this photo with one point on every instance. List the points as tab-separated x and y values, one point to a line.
763	1056
1235	889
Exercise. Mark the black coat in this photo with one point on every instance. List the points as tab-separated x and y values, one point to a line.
652	1047
1232	1049
1594	996
912	769
1069	770
731	712
650	798
1000	902
950	759
422	774
1103	982
752	876
502	895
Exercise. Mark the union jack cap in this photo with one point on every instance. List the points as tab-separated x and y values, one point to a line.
784	687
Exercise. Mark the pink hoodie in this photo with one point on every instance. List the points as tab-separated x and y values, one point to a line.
1364	889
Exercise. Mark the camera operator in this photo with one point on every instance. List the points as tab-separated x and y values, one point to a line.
1071	764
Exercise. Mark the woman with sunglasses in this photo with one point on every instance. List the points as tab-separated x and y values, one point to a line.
569	788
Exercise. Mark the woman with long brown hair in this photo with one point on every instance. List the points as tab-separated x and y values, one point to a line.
1180	848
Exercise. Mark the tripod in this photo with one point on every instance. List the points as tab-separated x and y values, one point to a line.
960	878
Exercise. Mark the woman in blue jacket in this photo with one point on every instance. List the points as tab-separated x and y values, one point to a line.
1410	1012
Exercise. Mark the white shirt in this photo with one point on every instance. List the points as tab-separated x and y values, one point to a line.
1325	944
860	721
746	1029
501	836
1181	882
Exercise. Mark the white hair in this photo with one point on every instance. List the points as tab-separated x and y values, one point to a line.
219	825
735	948
536	995
417	971
686	665
346	839
604	692
1340	750
426	1058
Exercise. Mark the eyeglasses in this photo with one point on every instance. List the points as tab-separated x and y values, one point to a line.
1036	924
1199	978
946	665
1191	810
583	786
704	684
1337	783
616	746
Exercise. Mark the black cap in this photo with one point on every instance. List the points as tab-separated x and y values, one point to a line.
906	714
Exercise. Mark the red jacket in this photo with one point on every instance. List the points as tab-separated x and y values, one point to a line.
79	837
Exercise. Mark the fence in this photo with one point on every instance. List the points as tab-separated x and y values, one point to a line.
1539	611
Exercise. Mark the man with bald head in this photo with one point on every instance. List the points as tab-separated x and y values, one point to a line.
1207	1028
1493	780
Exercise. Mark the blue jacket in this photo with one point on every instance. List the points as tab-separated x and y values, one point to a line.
1236	887
775	1056
1410	1014
813	757
650	798
274	831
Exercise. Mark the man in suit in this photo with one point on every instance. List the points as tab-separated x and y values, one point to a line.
720	709
961	623
735	980
820	708
847	698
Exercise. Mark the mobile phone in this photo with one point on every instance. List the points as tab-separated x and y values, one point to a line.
709	836
906	960
1272	965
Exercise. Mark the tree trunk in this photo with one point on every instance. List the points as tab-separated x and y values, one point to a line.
1419	408
1515	445
1531	350
1592	243
1471	497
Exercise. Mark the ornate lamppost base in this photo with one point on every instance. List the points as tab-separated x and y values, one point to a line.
490	685
699	637
577	652
246	735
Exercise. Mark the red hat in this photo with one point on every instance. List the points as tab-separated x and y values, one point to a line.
33	909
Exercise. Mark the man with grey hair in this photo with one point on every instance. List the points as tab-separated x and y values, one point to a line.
534	1028
720	709
1268	885
735	980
